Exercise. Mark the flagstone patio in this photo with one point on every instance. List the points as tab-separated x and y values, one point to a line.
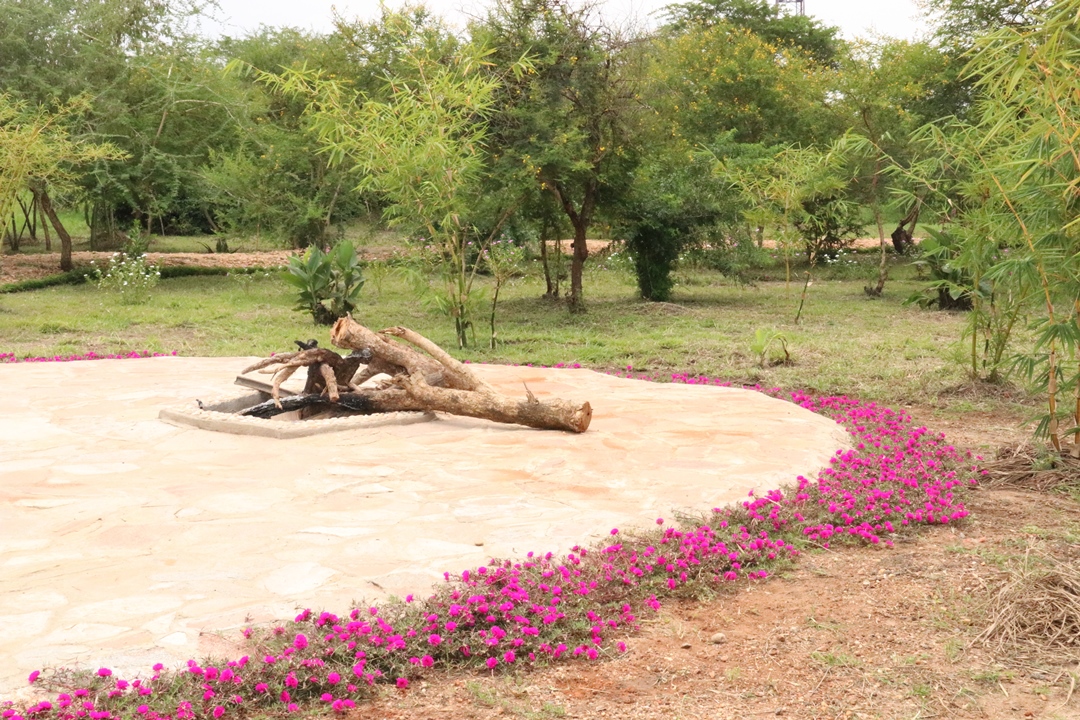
126	541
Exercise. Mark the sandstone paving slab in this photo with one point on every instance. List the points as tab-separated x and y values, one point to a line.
126	541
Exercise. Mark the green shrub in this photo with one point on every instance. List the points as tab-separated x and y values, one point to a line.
76	276
328	283
654	245
129	276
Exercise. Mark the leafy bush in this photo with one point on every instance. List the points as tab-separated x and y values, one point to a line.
952	285
654	245
728	249
130	276
329	283
828	225
72	277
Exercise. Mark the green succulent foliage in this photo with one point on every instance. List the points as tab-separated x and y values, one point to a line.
329	283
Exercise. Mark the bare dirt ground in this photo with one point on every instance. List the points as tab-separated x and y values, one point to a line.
15	268
863	243
19	267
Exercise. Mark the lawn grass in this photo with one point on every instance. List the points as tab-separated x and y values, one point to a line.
845	342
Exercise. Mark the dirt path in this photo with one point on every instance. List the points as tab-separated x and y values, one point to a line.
19	267
14	268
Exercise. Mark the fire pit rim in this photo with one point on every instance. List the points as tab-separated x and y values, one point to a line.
218	415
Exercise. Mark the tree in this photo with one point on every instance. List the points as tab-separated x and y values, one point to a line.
887	90
421	149
566	123
763	19
1019	188
273	181
958	23
153	95
714	91
798	196
36	151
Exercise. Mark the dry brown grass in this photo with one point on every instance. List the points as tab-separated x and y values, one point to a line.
1035	615
1031	467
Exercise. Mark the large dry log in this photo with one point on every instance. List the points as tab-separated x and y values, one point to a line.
398	358
553	415
548	415
424	377
436	381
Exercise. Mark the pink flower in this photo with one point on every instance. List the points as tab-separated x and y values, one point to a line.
434	639
402	683
427	661
492	662
509	657
218	711
333	678
34	676
300	642
104	672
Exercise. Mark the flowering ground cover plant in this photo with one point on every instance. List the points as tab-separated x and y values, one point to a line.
134	354
544	608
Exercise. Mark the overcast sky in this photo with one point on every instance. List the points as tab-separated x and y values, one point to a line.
898	18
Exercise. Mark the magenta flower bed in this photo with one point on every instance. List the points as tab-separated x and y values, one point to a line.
543	608
11	358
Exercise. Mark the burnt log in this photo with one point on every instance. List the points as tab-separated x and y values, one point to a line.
353	402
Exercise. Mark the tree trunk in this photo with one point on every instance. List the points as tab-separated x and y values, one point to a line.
13	234
552	289
902	236
29	218
883	267
577	265
42	194
580	218
44	225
